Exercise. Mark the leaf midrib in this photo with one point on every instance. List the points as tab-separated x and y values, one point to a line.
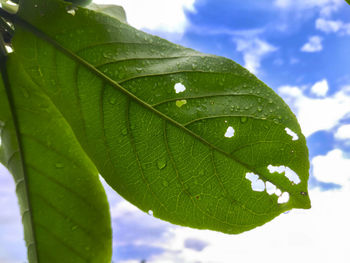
47	38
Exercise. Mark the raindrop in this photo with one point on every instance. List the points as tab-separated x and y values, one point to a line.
161	164
150	212
165	183
230	132
179	87
124	131
259	109
59	165
180	103
244	119
25	93
112	101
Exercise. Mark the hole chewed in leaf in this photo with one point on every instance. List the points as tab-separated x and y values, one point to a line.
9	49
289	173
230	132
270	188
278	192
179	87
258	185
291	133
284	198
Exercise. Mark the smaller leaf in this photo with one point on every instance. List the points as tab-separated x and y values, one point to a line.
2	160
80	2
348	1
12	9
114	11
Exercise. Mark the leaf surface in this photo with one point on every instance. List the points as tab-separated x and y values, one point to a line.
153	116
63	205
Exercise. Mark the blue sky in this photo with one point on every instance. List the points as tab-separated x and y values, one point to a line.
301	49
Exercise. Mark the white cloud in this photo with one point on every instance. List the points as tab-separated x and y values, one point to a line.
317	114
157	15
254	50
313	45
292	237
326	7
320	88
328	26
12	247
333	26
343	132
332	167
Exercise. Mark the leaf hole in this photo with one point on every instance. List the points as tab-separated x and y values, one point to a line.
8	48
278	192
270	188
179	87
291	133
230	132
289	173
257	184
284	198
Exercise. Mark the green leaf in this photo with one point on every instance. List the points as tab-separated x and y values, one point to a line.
348	1
80	2
63	205
161	150
115	11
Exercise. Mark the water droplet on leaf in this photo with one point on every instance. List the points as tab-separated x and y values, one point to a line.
244	119
124	131
59	165
112	101
180	103
161	164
